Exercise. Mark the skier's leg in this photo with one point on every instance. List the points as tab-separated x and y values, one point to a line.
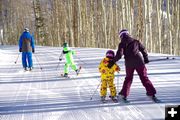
30	62
103	89
142	72
73	66
66	68
127	82
24	63
112	87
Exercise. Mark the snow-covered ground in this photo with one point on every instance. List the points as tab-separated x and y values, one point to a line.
44	95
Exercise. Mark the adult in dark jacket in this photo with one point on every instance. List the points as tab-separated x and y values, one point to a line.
26	46
131	48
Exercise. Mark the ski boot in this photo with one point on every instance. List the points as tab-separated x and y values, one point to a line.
25	69
30	69
65	75
103	99
123	98
154	98
114	99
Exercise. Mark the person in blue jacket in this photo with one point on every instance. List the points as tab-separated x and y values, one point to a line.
26	46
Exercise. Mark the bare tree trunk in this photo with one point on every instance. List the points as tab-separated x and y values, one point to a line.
174	26
39	22
1	23
131	15
146	24
169	27
178	30
75	22
158	11
149	11
92	34
140	21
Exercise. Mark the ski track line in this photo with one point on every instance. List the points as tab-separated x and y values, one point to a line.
135	112
53	115
90	82
27	96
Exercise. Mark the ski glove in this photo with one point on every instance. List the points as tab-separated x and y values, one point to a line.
111	63
33	50
146	60
20	49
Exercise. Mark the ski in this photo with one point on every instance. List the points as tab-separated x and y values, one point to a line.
104	101
62	75
124	100
156	100
115	100
78	71
162	59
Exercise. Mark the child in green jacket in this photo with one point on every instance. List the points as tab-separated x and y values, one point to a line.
69	60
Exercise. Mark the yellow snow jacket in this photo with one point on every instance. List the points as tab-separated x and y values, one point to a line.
107	73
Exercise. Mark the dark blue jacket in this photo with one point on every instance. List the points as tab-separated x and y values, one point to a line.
26	42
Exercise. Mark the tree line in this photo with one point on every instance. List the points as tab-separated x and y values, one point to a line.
93	23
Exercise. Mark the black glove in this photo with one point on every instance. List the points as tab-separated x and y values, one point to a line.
33	50
60	59
146	60
111	63
20	49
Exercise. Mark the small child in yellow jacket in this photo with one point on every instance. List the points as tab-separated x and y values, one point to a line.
107	76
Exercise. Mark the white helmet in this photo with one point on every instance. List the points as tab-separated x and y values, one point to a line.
26	29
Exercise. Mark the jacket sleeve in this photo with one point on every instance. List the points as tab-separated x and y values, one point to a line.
143	51
32	42
100	66
119	53
116	68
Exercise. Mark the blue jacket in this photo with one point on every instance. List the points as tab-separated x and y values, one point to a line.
26	42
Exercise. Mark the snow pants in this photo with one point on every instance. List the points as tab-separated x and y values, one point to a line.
67	65
27	56
142	72
107	83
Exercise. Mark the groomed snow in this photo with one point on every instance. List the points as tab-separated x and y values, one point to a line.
44	95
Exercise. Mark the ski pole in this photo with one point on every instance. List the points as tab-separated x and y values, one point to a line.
95	91
118	81
60	58
17	58
58	65
161	59
38	62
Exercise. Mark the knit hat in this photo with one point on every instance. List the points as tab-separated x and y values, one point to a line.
123	32
65	45
110	54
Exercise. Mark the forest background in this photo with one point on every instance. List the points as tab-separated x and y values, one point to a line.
93	23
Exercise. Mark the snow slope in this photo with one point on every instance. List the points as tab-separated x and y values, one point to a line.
44	95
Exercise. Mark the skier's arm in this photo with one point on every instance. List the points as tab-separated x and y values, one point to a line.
32	42
144	52
116	68
119	53
101	70
118	56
